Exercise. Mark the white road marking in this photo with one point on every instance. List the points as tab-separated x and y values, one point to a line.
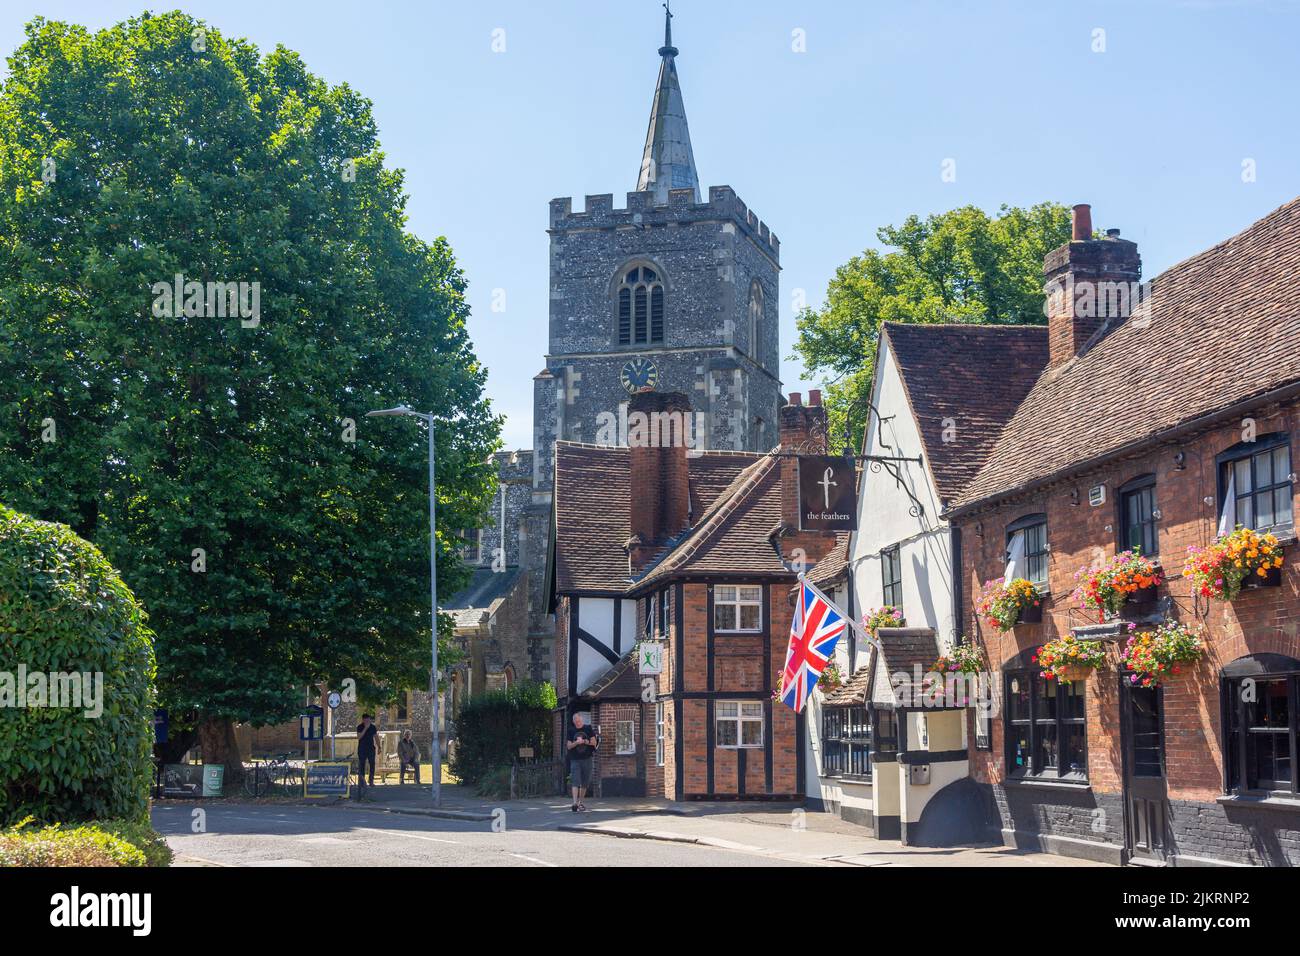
284	862
532	859
414	836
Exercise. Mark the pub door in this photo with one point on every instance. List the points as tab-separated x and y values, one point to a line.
1145	789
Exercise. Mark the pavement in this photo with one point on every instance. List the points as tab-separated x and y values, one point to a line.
543	831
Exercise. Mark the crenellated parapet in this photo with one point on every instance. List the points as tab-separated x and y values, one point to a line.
641	211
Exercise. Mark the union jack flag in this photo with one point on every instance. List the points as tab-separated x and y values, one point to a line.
816	627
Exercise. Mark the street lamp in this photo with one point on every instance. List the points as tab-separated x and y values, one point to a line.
433	595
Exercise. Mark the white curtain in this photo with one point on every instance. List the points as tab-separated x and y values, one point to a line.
1015	556
1228	519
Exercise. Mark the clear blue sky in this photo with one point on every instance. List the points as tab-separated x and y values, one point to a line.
825	145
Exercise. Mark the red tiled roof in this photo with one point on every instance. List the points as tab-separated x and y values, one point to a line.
853	691
736	533
1223	328
974	375
592	513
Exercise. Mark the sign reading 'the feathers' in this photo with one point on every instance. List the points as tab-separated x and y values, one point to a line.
827	493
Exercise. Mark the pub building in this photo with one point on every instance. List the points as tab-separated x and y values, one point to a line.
1152	431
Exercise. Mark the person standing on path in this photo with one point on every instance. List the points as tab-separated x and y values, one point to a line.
581	745
367	735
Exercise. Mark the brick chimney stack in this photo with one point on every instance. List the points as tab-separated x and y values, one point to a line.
1091	284
659	484
803	431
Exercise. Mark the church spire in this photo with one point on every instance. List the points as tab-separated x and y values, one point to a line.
667	162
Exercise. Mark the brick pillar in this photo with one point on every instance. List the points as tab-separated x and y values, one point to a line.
1091	284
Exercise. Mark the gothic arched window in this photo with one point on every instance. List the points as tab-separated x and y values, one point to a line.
640	306
755	315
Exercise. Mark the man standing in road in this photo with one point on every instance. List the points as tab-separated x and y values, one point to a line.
367	734
581	745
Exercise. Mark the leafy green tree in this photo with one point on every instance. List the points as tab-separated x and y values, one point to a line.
956	266
77	695
223	462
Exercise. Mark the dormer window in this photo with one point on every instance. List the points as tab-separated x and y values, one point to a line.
640	307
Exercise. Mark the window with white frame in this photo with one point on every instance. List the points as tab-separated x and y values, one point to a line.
737	607
739	723
624	737
660	736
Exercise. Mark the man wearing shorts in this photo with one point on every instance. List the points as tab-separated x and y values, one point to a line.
582	744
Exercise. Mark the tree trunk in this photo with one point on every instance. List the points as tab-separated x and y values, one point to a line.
217	740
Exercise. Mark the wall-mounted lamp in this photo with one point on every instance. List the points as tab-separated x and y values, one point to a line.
1180	461
979	529
1074	497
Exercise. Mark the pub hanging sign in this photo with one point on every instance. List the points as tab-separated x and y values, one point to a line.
827	493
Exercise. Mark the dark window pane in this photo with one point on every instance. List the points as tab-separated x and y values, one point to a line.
1072	700
1048	746
1018	735
1148	743
1045	699
1076	750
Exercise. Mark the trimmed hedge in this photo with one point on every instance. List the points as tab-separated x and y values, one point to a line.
492	726
64	609
56	845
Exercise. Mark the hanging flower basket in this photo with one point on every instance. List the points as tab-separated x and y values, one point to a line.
1073	672
1155	656
1125	578
1070	659
1220	570
1003	605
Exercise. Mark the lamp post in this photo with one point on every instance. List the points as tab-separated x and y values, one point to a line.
433	596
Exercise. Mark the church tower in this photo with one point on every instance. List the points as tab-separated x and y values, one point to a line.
669	292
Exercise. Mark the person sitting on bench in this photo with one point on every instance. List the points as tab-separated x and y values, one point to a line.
408	754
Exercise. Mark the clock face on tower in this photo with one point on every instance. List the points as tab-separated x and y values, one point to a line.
639	375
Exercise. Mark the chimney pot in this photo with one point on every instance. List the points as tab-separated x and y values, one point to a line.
1112	233
796	398
1082	222
814	396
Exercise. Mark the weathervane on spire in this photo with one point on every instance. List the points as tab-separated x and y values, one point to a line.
668	49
